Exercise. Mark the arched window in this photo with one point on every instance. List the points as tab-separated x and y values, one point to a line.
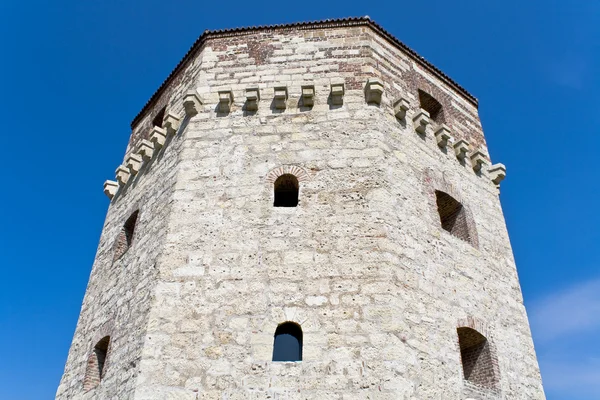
158	118
286	191
287	345
452	216
125	237
95	365
477	359
432	106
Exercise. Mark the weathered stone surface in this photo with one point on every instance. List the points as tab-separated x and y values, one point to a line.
252	99
308	95
172	122
146	150
442	135
374	90
280	97
478	160
461	148
401	106
122	173
497	173
225	100
110	188
363	264
134	163
421	120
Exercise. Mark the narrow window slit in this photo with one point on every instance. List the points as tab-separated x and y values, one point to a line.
125	237
287	344
95	365
286	191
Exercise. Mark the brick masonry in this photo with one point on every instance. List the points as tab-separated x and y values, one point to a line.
362	264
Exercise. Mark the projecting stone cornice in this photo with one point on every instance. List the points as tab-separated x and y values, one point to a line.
306	94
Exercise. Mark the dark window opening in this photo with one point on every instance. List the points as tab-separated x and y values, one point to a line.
95	365
286	191
158	118
452	216
476	357
287	345
432	106
125	237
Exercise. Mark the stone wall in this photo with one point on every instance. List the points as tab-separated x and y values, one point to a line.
363	264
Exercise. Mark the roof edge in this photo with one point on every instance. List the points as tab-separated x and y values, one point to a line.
322	24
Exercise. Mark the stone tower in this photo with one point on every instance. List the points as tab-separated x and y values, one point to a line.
304	211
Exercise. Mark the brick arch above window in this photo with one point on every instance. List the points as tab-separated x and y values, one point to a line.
300	173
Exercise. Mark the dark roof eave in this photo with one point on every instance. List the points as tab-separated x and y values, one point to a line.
329	23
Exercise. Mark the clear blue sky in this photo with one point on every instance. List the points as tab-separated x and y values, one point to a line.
74	74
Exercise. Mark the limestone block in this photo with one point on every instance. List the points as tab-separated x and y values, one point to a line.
252	99
110	188
374	90
122	174
443	136
146	149
192	103
478	160
281	96
461	148
225	100
337	93
172	122
134	163
421	120
401	106
158	136
308	95
497	173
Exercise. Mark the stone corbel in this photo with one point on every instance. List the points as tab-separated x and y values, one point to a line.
158	136
110	188
374	90
281	96
225	100
308	95
146	150
478	160
443	136
192	103
122	174
497	173
421	120
252	99
461	148
134	163
337	93
172	122
401	106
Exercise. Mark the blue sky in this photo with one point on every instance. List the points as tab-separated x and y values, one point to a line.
74	74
